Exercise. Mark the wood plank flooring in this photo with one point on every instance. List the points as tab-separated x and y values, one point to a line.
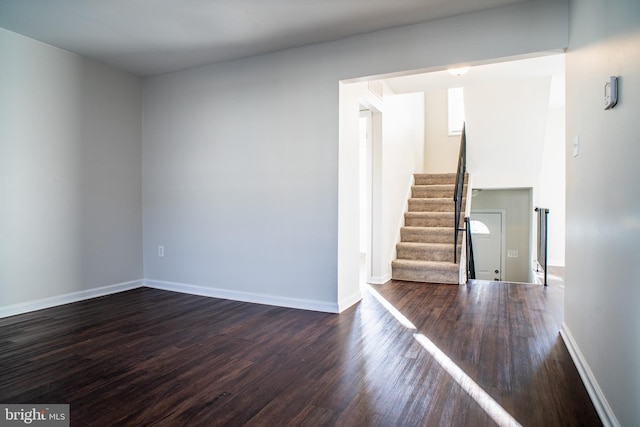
155	358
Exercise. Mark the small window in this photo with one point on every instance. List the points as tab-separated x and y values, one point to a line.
456	111
479	227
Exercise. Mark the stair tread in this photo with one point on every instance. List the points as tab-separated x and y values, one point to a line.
433	199
425	253
435	175
430	244
435	186
448	265
429	213
428	229
436	178
422	234
439	204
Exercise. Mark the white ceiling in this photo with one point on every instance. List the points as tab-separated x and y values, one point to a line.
551	65
149	37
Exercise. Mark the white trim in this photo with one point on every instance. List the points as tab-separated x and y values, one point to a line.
368	186
29	306
303	304
605	412
380	280
469	199
348	302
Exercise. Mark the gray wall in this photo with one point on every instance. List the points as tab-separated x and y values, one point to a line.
603	208
517	204
241	163
241	160
70	182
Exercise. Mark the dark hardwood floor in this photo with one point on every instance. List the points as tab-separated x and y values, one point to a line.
149	357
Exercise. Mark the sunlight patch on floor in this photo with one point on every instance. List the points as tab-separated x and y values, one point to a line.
486	402
390	308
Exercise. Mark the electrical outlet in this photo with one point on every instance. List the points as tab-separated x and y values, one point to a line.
160	250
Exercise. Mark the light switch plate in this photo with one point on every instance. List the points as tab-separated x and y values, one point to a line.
611	93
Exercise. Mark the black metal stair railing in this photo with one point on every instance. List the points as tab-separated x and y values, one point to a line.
471	264
459	191
542	244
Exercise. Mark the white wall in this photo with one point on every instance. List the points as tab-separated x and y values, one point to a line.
550	191
402	156
241	160
235	170
353	97
70	180
397	154
516	139
602	320
441	150
506	124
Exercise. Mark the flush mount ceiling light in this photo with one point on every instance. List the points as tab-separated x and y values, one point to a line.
459	71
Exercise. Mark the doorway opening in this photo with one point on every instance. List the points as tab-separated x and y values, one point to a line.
501	155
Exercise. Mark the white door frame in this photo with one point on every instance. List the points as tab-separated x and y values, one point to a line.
366	162
373	187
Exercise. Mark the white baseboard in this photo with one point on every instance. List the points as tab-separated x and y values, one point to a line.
303	304
26	307
380	280
605	412
348	302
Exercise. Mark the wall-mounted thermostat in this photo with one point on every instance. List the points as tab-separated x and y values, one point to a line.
611	93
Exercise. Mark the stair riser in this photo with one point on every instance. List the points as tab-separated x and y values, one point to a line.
442	179
425	236
428	276
425	254
432	205
426	192
434	181
428	221
447	179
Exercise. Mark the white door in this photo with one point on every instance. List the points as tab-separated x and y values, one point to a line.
486	234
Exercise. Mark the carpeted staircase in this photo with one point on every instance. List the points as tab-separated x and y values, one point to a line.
425	251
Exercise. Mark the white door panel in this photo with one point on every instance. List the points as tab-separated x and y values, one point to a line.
486	232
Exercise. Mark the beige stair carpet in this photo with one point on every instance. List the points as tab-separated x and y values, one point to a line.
425	251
